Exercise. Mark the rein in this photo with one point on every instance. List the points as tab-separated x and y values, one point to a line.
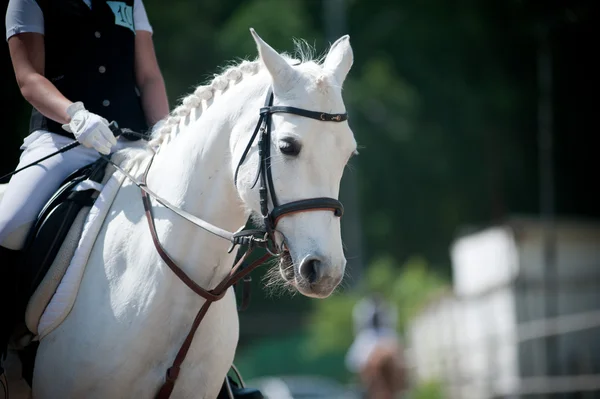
114	128
253	238
249	237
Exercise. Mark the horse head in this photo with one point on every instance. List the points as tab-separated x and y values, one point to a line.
309	143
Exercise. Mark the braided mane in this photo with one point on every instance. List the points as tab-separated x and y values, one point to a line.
193	105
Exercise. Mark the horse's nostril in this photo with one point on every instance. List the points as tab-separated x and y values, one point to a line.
311	269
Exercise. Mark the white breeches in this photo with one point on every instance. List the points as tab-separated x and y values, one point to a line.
29	190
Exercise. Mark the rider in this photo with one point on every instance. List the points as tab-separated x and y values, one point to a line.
80	64
376	353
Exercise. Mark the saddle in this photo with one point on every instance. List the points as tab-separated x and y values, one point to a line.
54	238
49	249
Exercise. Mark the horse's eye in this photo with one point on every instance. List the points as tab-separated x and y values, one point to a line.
289	146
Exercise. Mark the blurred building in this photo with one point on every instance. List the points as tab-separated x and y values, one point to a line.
523	320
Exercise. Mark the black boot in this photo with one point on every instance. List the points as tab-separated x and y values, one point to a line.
10	299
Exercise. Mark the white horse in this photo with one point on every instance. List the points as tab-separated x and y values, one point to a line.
132	313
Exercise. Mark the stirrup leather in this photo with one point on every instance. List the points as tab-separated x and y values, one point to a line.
233	390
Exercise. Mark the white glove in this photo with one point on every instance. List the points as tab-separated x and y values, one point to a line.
90	129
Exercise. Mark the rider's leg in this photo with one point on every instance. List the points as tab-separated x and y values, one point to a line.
26	194
29	190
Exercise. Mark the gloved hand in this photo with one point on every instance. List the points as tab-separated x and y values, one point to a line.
90	129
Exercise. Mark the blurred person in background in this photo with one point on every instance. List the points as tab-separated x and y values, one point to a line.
80	64
376	353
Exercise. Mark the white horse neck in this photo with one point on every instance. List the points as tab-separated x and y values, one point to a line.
193	171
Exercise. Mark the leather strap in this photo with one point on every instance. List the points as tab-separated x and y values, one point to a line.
217	231
320	116
236	274
312	204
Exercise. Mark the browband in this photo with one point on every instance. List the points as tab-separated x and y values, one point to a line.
320	116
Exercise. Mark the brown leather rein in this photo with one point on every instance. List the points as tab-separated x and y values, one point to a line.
242	237
235	275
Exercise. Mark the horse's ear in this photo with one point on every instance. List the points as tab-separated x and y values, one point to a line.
339	59
281	72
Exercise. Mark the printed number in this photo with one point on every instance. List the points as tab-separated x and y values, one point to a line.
126	14
123	14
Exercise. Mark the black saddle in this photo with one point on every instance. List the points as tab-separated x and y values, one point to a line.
55	221
233	389
44	241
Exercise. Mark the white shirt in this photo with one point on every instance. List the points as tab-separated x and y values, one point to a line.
367	337
363	313
364	344
26	16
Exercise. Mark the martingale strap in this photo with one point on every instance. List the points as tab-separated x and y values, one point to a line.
266	189
237	273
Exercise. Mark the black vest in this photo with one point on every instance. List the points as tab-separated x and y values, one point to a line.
90	58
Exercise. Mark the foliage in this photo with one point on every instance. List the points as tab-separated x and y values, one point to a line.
330	326
427	390
431	97
442	98
320	347
292	21
408	287
288	355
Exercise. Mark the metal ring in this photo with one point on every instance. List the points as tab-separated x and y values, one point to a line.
271	249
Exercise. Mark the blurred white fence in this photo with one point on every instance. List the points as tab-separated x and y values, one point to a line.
493	336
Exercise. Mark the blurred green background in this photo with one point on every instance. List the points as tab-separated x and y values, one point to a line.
443	99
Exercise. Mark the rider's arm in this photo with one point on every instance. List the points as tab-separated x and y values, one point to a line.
149	79
24	30
27	55
147	72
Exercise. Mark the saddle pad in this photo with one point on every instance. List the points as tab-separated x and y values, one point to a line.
43	294
64	297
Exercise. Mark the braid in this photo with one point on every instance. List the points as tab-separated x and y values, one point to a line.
193	105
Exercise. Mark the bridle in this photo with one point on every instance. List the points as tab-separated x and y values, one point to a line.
253	238
267	187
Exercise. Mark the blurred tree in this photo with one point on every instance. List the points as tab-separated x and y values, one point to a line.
278	22
443	98
319	349
408	287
